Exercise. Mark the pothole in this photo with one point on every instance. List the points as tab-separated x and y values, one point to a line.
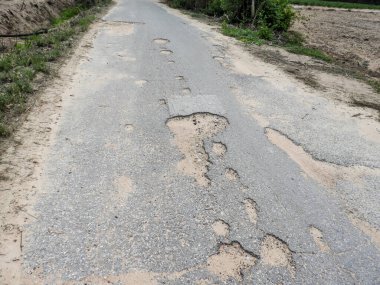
230	262
218	58
189	135
317	236
186	91
129	127
161	41
140	83
274	252
251	210
231	174
221	228
166	51
219	149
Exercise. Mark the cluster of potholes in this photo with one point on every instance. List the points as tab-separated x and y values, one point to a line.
231	260
165	51
190	133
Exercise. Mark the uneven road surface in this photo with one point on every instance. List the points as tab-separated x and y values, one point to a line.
176	160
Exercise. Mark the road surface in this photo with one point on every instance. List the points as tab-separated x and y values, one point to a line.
180	159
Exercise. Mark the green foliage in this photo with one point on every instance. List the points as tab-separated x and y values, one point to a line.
275	14
236	10
85	22
266	33
312	52
375	84
336	4
214	8
66	14
242	34
294	43
4	130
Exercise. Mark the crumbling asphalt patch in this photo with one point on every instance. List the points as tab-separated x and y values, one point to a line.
231	174
251	210
219	149
221	228
276	253
231	261
317	236
190	132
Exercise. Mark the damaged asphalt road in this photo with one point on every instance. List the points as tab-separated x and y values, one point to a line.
176	163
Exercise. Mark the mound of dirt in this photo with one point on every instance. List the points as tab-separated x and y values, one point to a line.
24	16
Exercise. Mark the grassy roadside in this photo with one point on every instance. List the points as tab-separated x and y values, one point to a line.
290	41
334	4
35	57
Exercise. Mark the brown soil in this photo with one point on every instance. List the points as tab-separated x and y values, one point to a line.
351	36
25	16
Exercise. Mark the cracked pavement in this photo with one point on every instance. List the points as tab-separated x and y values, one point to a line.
172	163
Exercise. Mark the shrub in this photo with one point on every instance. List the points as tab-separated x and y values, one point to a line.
275	14
266	33
236	10
214	8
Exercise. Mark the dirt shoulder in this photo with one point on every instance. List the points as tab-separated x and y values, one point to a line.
22	159
24	16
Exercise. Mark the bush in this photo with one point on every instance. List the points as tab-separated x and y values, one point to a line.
271	15
236	10
266	33
277	15
214	8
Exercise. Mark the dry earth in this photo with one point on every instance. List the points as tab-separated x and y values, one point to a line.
351	36
25	16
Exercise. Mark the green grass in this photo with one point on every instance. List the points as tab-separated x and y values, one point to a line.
312	52
34	55
375	84
334	4
243	34
293	42
66	14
